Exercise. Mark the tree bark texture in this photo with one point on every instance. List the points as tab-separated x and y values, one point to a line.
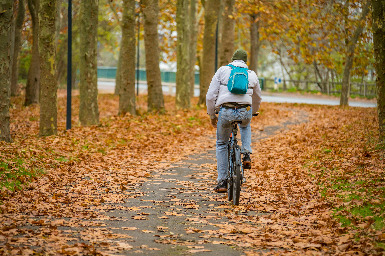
378	7
193	43
183	72
254	42
155	100
48	86
127	66
345	91
117	77
61	42
208	59
218	36
228	32
17	42
6	17
89	110
33	80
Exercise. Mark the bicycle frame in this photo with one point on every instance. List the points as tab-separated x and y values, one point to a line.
233	145
235	165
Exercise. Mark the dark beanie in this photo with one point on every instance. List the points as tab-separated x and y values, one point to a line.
240	55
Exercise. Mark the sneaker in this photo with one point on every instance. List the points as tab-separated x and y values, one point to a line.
246	161
221	187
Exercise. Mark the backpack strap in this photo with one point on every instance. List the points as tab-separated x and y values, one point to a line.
232	66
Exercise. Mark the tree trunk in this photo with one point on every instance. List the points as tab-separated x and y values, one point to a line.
193	43
6	17
227	43
127	74
254	42
13	29
155	100
345	91
118	79
15	63
89	110
378	7
48	86
208	59
183	73
218	36
33	80
61	44
61	60
323	84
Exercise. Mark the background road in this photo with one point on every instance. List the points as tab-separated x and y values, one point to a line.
108	86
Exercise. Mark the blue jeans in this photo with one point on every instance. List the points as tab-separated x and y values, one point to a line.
225	117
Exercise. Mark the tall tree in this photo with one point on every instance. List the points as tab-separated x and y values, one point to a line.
118	69
183	72
6	17
254	41
17	42
208	59
48	86
155	100
127	59
33	80
227	45
378	7
89	110
344	100
193	43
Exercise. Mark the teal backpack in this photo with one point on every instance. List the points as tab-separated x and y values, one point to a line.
238	80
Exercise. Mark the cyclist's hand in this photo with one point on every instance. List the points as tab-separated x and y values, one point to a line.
214	122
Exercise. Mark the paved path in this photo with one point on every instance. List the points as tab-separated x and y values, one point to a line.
175	212
277	98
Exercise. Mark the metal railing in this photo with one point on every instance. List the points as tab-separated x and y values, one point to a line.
363	89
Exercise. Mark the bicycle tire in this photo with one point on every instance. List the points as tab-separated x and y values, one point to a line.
230	188
236	179
230	179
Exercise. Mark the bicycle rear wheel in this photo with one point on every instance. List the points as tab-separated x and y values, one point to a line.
230	178
236	179
230	188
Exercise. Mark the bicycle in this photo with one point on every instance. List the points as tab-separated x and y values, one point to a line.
235	172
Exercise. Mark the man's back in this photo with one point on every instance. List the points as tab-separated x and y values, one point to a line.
219	94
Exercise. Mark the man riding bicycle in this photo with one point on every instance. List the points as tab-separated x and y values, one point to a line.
232	107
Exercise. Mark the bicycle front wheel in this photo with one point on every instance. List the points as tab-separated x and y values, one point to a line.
230	178
230	188
236	177
236	184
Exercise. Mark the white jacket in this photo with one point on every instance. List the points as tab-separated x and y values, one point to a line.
218	93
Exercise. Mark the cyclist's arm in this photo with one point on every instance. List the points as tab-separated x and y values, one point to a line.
212	94
257	94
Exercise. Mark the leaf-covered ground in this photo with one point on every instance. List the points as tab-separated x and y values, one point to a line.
315	187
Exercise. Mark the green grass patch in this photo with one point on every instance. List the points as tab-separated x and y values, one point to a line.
326	150
292	89
363	201
62	159
14	174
